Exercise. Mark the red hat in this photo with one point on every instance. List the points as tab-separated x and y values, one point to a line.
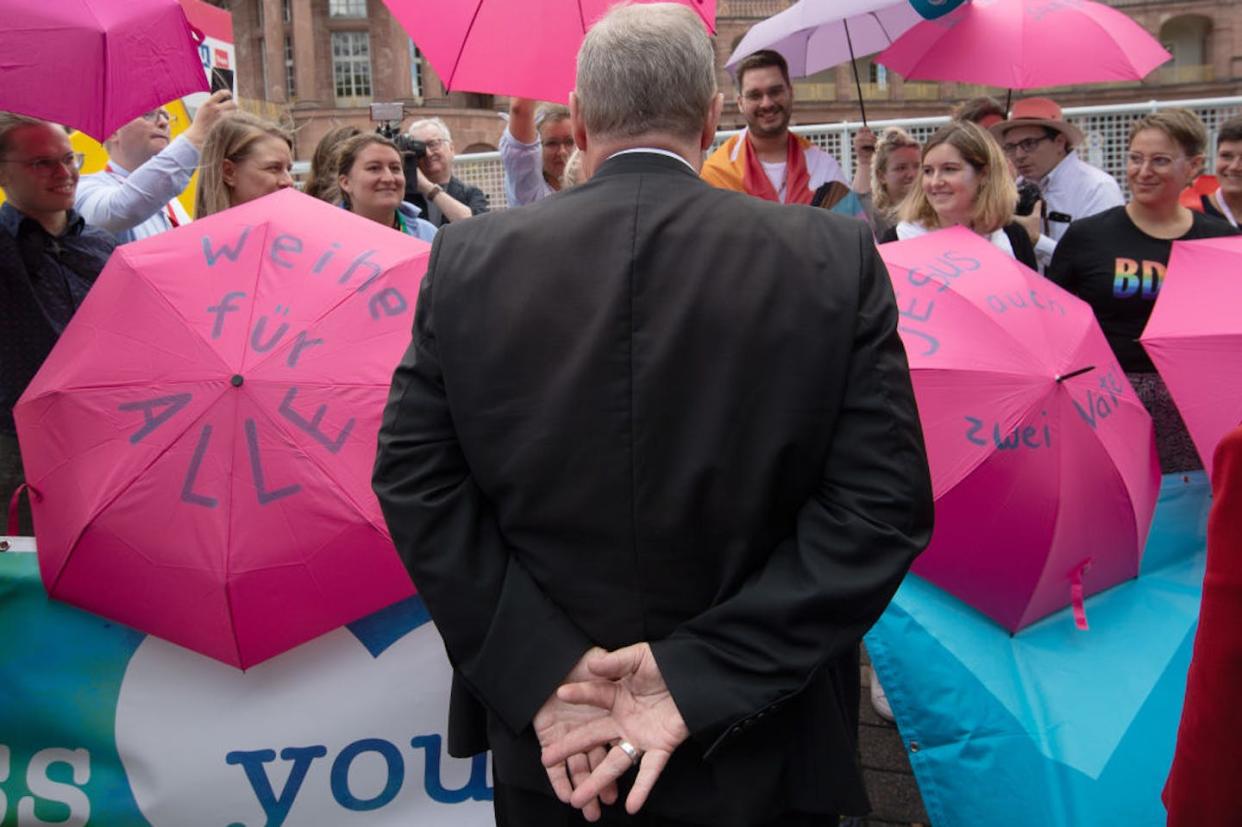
1039	112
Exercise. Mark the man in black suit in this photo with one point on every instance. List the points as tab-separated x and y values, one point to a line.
654	464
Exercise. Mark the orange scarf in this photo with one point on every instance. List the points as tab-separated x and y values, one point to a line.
745	173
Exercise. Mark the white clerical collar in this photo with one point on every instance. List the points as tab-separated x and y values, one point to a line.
655	151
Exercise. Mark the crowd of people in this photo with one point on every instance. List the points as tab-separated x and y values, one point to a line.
1074	225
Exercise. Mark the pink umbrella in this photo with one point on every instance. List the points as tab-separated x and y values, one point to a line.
1043	460
1194	337
96	64
527	49
199	443
1024	44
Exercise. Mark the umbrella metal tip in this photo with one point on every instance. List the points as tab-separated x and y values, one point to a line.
1073	373
237	380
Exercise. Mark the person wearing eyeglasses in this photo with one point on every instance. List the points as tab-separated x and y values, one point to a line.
769	161
1115	261
534	149
49	258
440	196
135	195
1041	144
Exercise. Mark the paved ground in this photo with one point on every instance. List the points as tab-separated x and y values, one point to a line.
895	798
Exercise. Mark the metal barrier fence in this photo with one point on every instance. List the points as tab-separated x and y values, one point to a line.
1106	129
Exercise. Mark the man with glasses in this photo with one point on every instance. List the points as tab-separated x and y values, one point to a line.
49	258
769	161
440	196
534	149
1040	143
135	195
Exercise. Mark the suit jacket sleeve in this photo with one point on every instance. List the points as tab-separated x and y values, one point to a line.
854	539
508	642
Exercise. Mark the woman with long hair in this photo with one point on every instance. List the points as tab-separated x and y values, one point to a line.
896	169
321	183
1115	260
371	178
244	158
964	181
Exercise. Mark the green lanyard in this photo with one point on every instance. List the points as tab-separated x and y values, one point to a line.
400	222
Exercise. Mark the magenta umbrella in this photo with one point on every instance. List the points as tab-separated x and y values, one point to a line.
527	49
1043	459
199	443
1194	337
95	64
1025	44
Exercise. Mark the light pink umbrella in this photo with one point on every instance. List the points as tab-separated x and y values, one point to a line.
1194	337
1024	44
527	49
95	64
199	443
1043	459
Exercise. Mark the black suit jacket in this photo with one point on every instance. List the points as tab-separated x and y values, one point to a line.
648	410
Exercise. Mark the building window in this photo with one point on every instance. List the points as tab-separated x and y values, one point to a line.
416	71
286	10
291	84
351	64
262	19
347	8
878	75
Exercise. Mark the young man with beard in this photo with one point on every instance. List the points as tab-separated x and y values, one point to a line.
767	160
135	195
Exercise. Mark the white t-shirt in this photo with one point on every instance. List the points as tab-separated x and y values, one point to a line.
820	166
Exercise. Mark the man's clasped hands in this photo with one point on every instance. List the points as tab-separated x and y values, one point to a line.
612	712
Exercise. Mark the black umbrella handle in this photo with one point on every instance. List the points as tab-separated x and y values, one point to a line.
854	65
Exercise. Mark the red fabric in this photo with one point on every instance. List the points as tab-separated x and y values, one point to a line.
797	178
1203	790
1203	185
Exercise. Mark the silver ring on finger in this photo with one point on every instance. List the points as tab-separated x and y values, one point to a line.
630	751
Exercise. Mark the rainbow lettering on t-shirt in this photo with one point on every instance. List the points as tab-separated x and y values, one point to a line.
1128	279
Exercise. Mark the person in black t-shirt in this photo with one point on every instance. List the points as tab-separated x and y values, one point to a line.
1115	260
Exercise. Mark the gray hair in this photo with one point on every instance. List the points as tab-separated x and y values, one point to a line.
438	123
645	69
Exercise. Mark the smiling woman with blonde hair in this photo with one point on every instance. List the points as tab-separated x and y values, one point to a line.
244	157
964	181
1115	260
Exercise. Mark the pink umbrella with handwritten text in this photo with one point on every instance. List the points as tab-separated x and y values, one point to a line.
1043	460
199	443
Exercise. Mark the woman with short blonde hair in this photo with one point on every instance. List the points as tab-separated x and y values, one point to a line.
244	157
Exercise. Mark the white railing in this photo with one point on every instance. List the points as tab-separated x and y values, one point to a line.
1106	129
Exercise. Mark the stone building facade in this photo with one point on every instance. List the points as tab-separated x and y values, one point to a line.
324	61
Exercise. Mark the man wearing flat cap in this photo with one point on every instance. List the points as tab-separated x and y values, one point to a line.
1040	143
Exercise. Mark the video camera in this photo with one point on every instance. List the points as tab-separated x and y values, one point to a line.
389	117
